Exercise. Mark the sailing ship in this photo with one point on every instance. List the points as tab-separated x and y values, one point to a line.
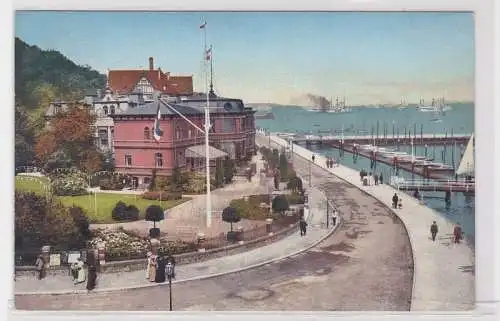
403	105
427	108
466	167
339	107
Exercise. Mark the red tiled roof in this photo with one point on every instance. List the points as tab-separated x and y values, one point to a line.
124	81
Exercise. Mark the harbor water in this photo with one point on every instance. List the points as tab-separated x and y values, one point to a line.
364	121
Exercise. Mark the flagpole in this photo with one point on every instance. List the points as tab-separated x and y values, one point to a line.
207	130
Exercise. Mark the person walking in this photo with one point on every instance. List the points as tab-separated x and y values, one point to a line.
381	179
160	276
40	267
148	266
375	178
313	158
395	199
303	226
434	230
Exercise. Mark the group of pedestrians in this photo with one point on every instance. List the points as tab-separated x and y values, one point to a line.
369	178
156	268
457	232
331	162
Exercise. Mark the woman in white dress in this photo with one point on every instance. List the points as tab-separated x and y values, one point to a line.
80	271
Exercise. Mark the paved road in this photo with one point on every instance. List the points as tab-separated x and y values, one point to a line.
366	265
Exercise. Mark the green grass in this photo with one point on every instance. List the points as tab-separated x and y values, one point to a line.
105	201
31	184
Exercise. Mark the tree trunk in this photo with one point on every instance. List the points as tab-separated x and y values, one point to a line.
231	226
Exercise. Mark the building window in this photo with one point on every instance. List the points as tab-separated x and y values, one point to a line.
212	126
112	110
190	133
128	160
105	110
147	133
178	133
228	125
159	159
103	137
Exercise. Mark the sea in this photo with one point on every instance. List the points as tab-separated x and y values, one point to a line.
391	121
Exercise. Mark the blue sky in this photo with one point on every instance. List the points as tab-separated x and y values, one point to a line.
277	57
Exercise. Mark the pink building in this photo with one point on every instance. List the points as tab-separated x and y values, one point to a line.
137	153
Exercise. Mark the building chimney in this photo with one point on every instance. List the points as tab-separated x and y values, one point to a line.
151	63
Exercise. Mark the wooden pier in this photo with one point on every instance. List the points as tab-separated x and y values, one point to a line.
424	171
427	139
436	186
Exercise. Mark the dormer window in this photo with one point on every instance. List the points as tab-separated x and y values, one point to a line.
112	111
105	110
147	133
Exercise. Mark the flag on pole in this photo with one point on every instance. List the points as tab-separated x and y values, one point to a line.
157	131
208	53
202	26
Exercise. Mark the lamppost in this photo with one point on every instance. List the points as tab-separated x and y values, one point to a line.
170	273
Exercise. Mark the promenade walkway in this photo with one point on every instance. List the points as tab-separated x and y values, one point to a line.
286	247
443	271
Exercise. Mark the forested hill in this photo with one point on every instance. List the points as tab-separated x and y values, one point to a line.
44	75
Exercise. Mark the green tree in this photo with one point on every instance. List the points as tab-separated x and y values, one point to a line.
24	138
283	165
219	174
228	170
40	221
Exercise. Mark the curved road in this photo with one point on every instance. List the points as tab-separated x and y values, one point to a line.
366	265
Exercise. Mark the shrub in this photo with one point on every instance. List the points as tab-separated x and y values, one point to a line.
295	198
154	213
195	183
164	196
280	204
69	185
229	215
122	212
154	232
258	199
113	183
249	210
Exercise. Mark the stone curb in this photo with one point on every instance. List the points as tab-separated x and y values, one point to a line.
203	277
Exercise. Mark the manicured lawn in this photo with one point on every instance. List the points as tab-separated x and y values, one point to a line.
31	184
105	201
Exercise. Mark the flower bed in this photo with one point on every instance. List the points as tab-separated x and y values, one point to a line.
125	245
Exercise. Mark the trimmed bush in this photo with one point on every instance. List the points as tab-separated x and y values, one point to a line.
229	215
154	213
122	212
295	184
164	196
154	232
